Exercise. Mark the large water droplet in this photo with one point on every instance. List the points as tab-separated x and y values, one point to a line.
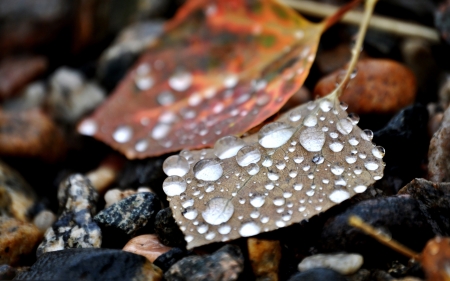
257	201
248	155
312	139
228	146
218	210
176	165
310	121
344	126
275	134
249	229
122	134
174	185
180	81
378	151
338	196
336	146
190	213
208	170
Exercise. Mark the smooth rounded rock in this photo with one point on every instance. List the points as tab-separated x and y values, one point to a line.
146	245
343	263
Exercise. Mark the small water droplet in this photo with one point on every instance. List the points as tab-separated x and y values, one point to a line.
367	135
354	118
293	173
360	188
287	194
174	185
189	238
255	214
252	169
88	127
275	134
165	98
310	121
123	134
312	139
318	159
267	161
190	213
280	164
144	82
231	81
160	131
337	169
180	81
378	151
273	175
202	228
208	170
248	155
224	229
353	141
249	229
218	210
311	105
350	159
371	166
279	201
298	186
299	159
295	115
357	170
176	165
344	126
228	146
257	201
336	146
343	105
337	196
326	105
310	192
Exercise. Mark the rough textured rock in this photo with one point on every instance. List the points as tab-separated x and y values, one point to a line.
30	133
225	264
343	263
166	260
18	240
92	264
130	214
167	230
381	86
265	258
318	274
146	245
74	227
439	152
16	196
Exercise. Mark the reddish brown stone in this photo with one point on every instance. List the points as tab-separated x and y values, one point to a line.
435	259
30	134
380	86
265	258
15	73
146	245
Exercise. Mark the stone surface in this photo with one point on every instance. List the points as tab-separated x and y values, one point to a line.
74	227
113	196
167	230
439	152
7	272
44	219
32	96
18	240
130	214
166	260
16	196
92	264
16	73
380	86
71	96
318	274
146	245
225	264
343	263
435	257
265	258
30	133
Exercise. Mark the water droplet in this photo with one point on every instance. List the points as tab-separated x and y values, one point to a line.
337	169
228	146
176	165
357	170
340	181
343	105
344	126
353	141
190	213
88	127
378	151
231	81
360	188
122	134
202	228
312	139
326	105
295	115
310	192
248	155
255	214
280	164
273	176
302	209
287	194
338	196
257	201
180	81
293	173
210	236
367	135
336	146
279	201
298	186
249	229
160	131
318	159
165	98
267	161
144	82
189	238
275	134
310	121
350	159
218	210
174	185
354	118
224	229
252	169
370	165
299	159
208	170
311	105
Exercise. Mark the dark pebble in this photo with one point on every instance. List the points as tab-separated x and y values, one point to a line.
318	274
166	260
7	272
167	230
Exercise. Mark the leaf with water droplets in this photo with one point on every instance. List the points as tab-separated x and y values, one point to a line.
221	68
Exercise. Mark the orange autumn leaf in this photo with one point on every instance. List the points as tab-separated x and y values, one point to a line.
221	68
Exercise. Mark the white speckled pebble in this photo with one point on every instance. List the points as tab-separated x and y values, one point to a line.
343	263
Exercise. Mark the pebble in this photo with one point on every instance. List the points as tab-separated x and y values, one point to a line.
131	213
265	258
16	196
92	264
342	262
7	272
44	219
32	96
439	152
17	240
317	274
167	230
167	259
223	265
74	227
71	96
146	245
115	195
435	257
106	173
381	86
30	133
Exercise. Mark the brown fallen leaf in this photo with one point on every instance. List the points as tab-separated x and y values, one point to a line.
221	68
380	86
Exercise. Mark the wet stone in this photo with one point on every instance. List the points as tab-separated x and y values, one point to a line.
74	227
146	245
17	241
167	230
265	258
318	274
166	260
130	214
439	152
224	264
343	263
92	264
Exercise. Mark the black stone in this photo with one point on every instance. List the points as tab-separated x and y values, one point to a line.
405	139
318	274
88	264
166	260
225	264
167	229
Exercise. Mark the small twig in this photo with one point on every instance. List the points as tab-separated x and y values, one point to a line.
386	24
357	222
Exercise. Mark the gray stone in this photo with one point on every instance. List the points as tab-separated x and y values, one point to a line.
74	227
439	152
343	263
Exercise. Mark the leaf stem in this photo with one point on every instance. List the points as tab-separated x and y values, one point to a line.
357	222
